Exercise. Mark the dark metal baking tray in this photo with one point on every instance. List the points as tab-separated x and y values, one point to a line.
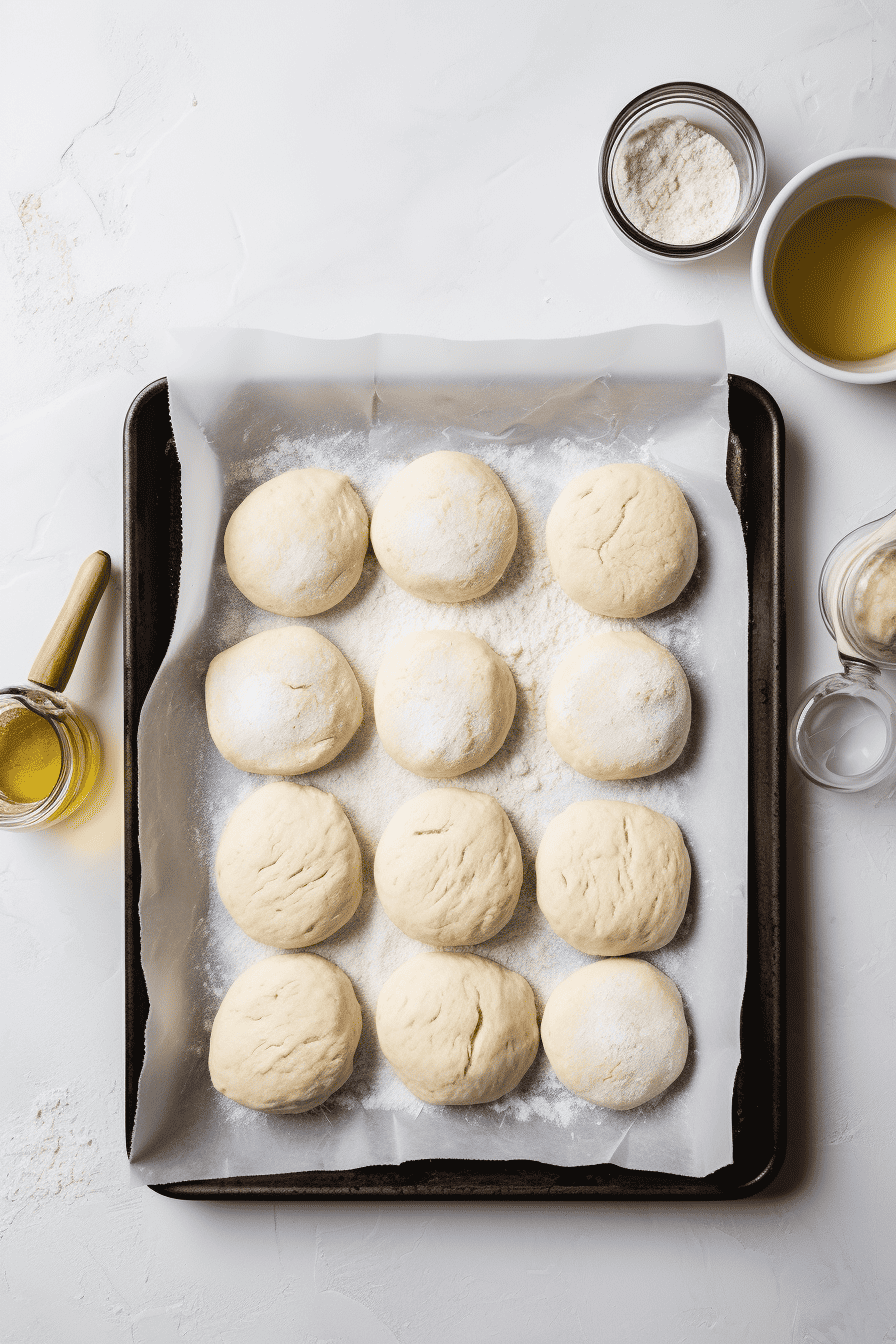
152	552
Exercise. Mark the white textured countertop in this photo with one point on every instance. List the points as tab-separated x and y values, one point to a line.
412	168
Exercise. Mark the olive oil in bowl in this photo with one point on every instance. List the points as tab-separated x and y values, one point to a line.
834	279
30	755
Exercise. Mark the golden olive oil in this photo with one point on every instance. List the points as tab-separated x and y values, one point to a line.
30	757
834	279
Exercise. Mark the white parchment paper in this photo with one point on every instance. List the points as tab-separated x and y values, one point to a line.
246	405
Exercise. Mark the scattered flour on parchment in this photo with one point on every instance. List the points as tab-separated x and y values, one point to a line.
531	623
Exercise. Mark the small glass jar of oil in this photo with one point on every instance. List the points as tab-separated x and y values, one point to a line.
50	757
50	754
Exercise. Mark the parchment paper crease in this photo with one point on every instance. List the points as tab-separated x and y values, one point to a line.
246	405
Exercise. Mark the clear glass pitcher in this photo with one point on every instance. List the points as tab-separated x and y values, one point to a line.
843	731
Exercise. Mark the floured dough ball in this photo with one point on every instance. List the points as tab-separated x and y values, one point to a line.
613	877
618	706
448	868
457	1029
615	1033
288	865
282	702
285	1035
443	702
445	528
621	540
296	544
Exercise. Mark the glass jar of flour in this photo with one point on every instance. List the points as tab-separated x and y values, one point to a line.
664	148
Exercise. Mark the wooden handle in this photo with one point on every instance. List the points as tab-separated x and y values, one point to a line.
59	652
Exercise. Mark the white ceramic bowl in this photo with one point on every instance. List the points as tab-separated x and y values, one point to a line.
854	172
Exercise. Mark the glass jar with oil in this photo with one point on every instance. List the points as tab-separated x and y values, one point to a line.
834	279
50	757
50	752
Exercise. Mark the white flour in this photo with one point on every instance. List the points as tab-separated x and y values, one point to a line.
676	183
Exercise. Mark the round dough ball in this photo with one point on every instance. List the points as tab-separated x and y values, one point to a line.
284	1038
457	1029
443	702
448	868
615	1033
282	702
621	540
296	544
618	706
288	865
445	528
613	877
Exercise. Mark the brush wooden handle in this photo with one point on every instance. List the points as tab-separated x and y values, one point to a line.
59	652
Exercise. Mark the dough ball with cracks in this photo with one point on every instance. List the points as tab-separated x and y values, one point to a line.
456	1028
285	1035
448	868
288	866
621	540
613	877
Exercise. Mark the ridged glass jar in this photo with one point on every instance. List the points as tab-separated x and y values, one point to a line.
81	758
